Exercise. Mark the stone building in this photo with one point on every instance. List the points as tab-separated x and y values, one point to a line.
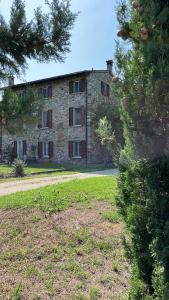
64	131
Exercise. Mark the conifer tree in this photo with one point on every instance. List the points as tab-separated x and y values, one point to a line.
44	38
143	87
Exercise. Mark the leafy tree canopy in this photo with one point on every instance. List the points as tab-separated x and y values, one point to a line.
44	38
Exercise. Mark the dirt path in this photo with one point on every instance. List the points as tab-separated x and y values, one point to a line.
29	184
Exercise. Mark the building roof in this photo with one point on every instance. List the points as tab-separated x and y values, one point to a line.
54	78
59	77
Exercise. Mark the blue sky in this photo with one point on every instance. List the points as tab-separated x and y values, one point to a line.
92	42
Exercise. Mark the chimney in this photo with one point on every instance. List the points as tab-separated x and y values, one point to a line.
110	66
11	80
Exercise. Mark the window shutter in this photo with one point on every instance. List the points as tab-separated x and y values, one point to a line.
50	91
83	85
102	87
83	117
50	118
40	120
50	149
71	116
70	150
83	149
15	149
70	87
39	149
108	90
24	147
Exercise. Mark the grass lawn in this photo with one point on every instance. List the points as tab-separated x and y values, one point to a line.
35	168
63	242
50	168
57	197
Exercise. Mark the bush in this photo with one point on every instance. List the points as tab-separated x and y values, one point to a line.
18	168
143	202
9	154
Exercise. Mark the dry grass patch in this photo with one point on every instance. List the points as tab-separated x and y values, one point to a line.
74	254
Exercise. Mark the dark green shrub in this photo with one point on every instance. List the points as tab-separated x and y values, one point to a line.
143	202
18	168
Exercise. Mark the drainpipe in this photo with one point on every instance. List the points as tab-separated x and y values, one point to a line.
86	123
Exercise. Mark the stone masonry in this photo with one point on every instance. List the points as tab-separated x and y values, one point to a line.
62	141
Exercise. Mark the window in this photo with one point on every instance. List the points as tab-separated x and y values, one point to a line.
44	119
77	86
77	117
22	94
76	149
45	150
45	92
105	89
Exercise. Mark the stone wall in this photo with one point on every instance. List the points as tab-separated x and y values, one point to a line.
61	133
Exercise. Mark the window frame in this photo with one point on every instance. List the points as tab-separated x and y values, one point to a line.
78	83
45	149
78	149
105	87
75	110
43	119
44	92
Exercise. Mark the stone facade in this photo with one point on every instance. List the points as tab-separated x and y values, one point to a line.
68	142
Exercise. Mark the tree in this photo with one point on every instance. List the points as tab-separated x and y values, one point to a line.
143	69
44	38
17	110
108	127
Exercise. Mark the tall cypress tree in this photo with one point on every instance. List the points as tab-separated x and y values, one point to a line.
143	86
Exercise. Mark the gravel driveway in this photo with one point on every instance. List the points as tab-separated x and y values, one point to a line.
29	184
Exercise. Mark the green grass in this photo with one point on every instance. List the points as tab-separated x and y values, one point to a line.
53	167
111	215
58	197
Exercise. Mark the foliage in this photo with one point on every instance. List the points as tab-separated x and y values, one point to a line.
18	168
15	111
112	113
9	154
107	137
46	37
108	127
142	68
